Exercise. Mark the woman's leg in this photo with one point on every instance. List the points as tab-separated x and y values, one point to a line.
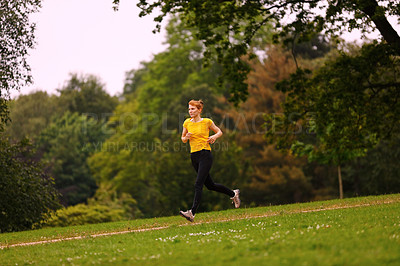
209	183
202	162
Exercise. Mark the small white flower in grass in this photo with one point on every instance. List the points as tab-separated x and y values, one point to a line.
242	237
234	242
154	256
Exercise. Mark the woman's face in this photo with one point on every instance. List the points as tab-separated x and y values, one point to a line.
194	111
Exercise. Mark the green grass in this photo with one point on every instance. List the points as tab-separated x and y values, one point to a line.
348	235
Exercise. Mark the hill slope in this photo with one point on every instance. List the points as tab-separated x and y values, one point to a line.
351	231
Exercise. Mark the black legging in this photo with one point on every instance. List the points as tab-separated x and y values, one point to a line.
202	161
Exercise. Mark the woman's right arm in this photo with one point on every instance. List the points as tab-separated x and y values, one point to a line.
185	135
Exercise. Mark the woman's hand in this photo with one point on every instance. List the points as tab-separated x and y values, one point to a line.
188	135
185	135
218	133
211	139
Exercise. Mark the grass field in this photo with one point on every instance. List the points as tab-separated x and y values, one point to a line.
356	231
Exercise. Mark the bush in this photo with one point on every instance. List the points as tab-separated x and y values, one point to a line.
84	214
27	195
105	206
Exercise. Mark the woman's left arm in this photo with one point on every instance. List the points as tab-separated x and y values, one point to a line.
218	133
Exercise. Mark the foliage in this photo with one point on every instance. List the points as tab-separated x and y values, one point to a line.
84	214
341	104
64	139
105	206
32	113
4	113
272	177
376	173
228	28
66	144
16	38
85	94
26	194
341	110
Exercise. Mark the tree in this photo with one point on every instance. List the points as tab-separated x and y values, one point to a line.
377	173
349	104
85	94
272	177
66	144
16	38
321	153
27	195
217	22
32	113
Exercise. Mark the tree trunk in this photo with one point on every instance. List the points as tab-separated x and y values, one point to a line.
369	7
340	182
357	178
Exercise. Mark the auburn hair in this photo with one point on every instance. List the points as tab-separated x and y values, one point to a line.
199	104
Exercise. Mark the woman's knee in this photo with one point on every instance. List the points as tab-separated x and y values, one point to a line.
198	186
210	186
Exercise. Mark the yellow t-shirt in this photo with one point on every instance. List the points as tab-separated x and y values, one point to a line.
200	133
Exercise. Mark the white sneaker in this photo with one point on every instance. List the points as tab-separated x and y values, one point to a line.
235	199
188	215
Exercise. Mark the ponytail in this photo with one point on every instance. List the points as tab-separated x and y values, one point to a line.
199	104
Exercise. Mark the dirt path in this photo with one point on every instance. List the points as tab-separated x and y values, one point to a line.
190	224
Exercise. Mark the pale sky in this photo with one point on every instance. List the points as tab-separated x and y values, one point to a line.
89	37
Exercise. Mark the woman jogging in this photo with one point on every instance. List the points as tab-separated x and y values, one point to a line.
196	130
